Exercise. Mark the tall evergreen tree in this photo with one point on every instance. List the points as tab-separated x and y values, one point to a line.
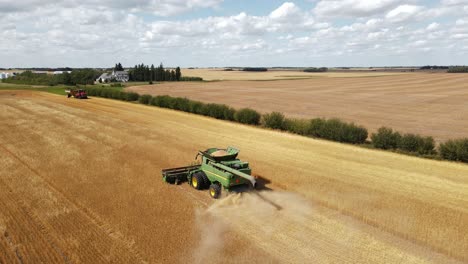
118	67
152	72
178	74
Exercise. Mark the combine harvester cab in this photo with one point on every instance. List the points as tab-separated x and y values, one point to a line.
76	93
218	169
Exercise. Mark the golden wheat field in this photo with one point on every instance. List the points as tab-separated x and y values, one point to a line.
219	74
80	183
430	104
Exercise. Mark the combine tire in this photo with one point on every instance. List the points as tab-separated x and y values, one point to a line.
206	182
197	181
171	180
215	190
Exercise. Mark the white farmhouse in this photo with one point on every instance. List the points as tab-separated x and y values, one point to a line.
5	75
120	76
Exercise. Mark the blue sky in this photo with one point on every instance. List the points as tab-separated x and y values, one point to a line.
217	33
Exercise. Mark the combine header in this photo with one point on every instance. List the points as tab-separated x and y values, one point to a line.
218	168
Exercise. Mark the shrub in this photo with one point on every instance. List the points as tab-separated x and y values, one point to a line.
427	147
91	91
316	127
456	150
117	94
163	101
106	93
154	101
145	99
273	120
196	107
218	111
247	116
131	97
385	138
313	69
228	113
297	126
354	134
331	129
182	104
337	130
190	79
416	143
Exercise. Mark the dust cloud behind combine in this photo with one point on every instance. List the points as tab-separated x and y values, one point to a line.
301	231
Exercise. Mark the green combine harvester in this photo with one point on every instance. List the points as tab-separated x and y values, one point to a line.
218	168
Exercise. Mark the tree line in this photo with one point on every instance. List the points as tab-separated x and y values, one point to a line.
313	69
458	69
146	73
255	69
82	76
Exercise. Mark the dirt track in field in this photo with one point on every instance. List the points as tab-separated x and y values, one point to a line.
80	183
432	104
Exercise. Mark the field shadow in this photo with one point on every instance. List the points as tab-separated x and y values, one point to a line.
262	183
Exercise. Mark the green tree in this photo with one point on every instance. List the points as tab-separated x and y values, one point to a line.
118	67
152	72
385	138
178	74
273	120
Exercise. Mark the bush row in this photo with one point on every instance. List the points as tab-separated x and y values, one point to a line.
113	94
190	79
331	129
255	69
386	138
458	69
313	69
456	150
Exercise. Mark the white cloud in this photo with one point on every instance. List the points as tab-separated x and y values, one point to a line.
433	26
403	13
455	2
354	8
158	7
286	11
77	33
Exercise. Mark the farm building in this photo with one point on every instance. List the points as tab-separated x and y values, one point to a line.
61	72
120	76
5	75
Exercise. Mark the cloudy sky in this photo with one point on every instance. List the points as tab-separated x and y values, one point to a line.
198	33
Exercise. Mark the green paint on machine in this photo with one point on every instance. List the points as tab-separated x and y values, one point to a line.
217	168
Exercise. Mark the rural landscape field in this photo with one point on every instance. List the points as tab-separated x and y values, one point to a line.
223	131
435	102
69	166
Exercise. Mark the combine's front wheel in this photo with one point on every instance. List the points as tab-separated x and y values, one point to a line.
215	190
197	181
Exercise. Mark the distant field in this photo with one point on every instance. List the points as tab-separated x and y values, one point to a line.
80	183
220	74
432	104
